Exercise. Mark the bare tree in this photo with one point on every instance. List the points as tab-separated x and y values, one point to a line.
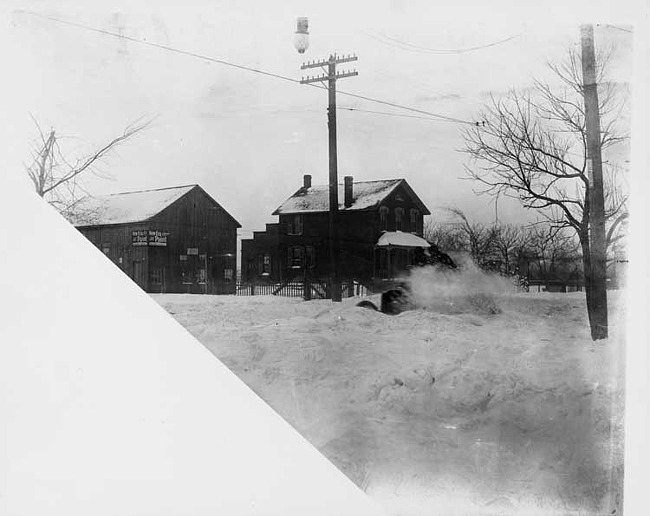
446	236
552	253
57	179
480	239
532	146
510	243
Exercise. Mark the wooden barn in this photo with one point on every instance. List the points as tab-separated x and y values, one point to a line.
176	239
380	226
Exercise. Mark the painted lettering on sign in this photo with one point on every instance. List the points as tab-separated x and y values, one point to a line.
139	237
158	238
193	251
149	237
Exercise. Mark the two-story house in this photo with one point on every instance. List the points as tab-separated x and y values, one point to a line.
379	229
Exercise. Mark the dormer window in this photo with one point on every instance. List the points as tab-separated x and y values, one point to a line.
399	216
383	217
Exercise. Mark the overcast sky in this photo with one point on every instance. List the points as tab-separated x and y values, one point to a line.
248	138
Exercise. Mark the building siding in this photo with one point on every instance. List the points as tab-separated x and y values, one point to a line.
199	255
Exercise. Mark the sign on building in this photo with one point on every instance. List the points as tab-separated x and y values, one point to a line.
139	237
157	238
149	237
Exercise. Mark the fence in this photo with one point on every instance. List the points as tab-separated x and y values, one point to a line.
554	286
319	289
268	289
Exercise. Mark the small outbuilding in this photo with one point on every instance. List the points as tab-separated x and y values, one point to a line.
176	239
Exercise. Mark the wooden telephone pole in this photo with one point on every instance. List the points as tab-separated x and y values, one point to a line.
331	77
597	277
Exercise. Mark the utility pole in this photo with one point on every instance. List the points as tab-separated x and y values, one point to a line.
596	291
331	77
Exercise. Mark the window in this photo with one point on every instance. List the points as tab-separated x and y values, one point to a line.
295	257
227	275
383	217
294	225
382	257
310	257
399	215
415	221
264	264
106	248
157	276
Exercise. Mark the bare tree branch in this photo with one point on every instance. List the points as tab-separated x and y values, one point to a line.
55	178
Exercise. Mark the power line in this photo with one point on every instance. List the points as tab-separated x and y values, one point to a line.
391	114
615	27
163	47
424	50
386	103
237	66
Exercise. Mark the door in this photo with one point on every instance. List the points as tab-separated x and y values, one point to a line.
139	274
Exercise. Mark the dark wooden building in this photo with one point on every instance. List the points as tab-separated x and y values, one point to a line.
380	227
176	239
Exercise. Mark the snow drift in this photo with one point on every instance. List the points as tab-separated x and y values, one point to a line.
454	407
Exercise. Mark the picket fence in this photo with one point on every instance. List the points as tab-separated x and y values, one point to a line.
297	289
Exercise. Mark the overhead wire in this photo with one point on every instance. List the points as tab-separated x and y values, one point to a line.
343	108
403	45
240	66
617	28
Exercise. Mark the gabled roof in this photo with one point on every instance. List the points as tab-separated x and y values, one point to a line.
130	207
365	195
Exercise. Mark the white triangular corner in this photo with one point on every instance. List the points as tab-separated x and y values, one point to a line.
108	406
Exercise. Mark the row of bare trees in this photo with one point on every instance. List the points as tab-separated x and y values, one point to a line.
532	146
540	251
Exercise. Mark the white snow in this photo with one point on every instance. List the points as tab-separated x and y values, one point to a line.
127	207
401	239
109	407
481	401
366	194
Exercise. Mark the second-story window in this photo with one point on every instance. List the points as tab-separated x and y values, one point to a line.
415	221
294	225
399	216
383	217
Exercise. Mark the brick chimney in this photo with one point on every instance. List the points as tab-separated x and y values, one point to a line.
348	191
306	181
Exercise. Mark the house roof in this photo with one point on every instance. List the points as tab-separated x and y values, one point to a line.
129	207
365	195
400	239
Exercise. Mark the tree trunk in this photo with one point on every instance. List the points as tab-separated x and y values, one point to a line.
596	295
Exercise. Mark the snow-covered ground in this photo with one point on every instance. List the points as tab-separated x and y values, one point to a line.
480	401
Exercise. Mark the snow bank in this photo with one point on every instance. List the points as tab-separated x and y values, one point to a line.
448	408
108	406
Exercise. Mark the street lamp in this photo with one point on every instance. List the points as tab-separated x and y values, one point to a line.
301	37
330	77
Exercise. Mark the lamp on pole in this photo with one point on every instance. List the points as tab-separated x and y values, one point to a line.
301	36
330	76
